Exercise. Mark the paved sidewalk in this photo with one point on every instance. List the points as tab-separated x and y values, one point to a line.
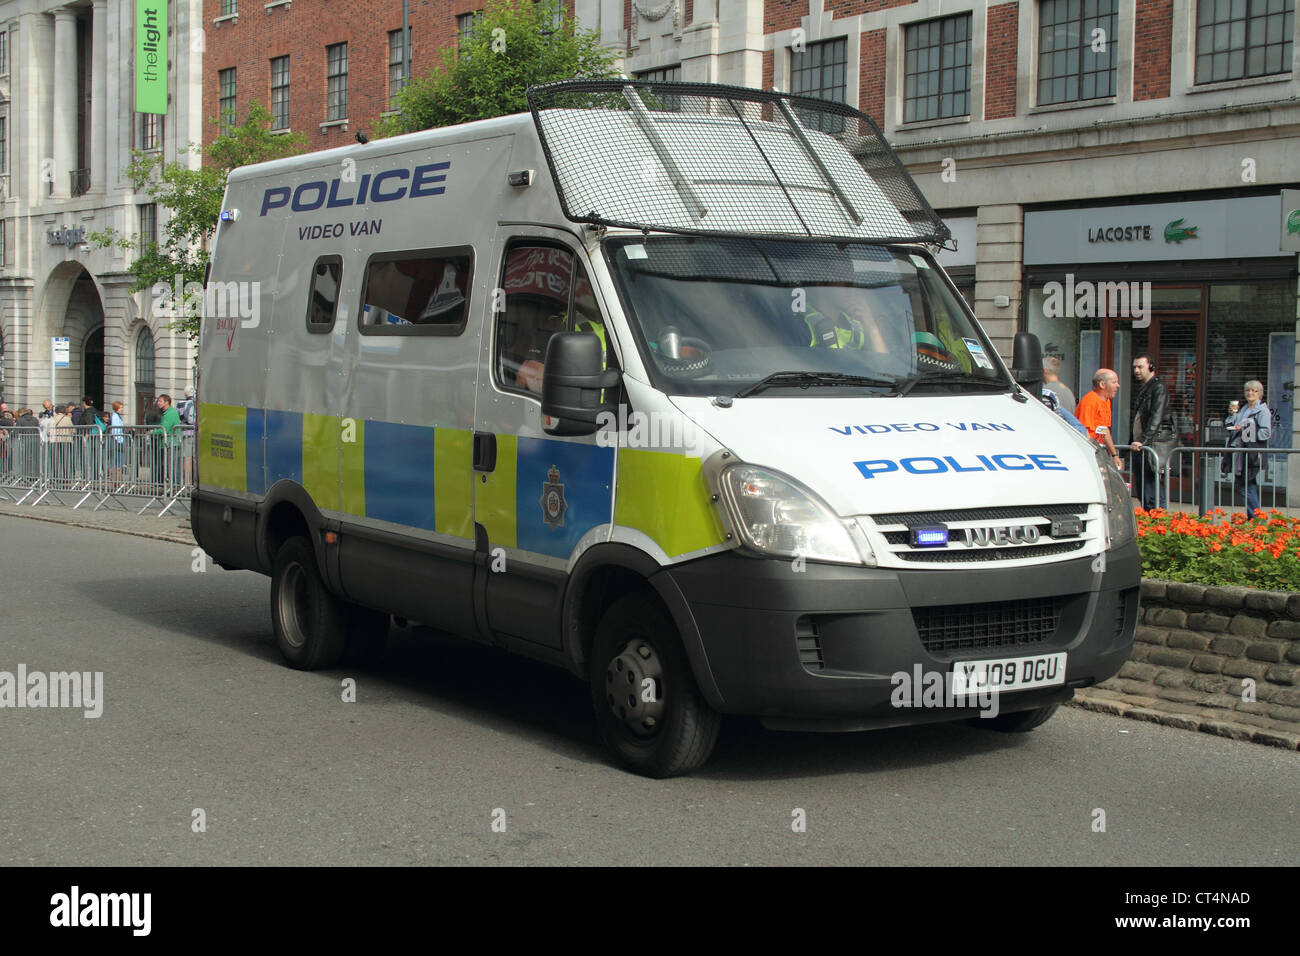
174	526
1209	720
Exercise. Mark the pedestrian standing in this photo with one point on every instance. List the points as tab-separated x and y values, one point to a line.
1052	382
1251	428
62	443
117	444
1153	425
1094	411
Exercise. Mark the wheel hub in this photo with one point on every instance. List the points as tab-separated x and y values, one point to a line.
634	688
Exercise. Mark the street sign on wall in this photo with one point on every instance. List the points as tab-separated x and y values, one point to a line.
151	56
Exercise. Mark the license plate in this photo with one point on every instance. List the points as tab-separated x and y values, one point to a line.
1009	673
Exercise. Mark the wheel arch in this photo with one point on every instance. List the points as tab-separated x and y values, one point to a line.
286	512
605	573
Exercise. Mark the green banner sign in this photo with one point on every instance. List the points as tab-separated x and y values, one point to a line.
151	56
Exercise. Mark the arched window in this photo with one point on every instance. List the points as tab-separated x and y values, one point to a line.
144	374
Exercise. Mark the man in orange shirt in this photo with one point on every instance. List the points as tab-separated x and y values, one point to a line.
1094	411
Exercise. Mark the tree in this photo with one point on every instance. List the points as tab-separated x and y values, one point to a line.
193	199
515	44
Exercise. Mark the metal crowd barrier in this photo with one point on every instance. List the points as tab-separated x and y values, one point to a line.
1216	481
119	467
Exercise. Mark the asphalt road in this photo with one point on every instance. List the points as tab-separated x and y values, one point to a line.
445	738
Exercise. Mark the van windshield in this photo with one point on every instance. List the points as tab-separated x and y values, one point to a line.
719	315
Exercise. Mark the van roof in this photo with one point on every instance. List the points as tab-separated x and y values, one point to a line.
480	129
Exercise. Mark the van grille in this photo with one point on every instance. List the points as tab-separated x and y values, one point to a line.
996	624
896	530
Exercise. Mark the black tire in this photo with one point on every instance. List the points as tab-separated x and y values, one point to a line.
674	732
310	623
367	635
1020	722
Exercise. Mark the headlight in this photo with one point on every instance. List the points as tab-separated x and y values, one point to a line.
1120	523
776	515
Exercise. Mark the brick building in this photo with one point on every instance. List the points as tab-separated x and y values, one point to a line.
1067	143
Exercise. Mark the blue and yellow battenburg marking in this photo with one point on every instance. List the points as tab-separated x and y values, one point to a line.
543	496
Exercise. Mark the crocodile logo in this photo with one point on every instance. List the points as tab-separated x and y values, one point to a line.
1176	232
1293	222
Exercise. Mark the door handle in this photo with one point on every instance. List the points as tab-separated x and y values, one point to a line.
485	451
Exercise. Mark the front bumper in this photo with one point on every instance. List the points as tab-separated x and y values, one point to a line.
822	644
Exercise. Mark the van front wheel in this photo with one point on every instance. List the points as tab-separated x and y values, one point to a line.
648	707
310	623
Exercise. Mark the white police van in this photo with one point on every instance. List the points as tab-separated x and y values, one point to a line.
662	384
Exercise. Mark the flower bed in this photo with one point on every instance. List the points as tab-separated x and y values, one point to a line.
1221	548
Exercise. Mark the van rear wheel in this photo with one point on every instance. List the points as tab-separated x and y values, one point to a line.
310	623
648	707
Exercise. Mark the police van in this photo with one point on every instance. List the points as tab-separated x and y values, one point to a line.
660	383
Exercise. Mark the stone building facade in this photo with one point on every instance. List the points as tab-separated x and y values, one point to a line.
67	128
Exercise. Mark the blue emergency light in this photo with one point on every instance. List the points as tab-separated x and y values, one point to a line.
931	536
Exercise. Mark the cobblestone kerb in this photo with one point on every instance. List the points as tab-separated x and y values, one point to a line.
1223	660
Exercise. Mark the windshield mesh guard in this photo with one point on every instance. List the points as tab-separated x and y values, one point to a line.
706	159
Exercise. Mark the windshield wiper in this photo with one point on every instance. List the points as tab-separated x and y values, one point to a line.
805	379
950	378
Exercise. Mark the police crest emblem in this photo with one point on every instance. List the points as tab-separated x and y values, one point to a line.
552	500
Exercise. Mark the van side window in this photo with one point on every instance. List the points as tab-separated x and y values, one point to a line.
416	293
323	301
546	291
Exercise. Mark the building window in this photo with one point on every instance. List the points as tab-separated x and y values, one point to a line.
151	125
4	243
936	69
665	74
226	101
1240	38
396	67
144	373
467	26
4	52
280	92
1076	50
336	82
228	8
148	225
819	72
4	144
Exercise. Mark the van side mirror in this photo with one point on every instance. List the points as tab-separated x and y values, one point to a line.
572	382
1027	363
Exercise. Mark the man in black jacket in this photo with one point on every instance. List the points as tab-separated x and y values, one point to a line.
1153	424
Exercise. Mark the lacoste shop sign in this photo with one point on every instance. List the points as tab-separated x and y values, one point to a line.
151	56
1175	231
1205	229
